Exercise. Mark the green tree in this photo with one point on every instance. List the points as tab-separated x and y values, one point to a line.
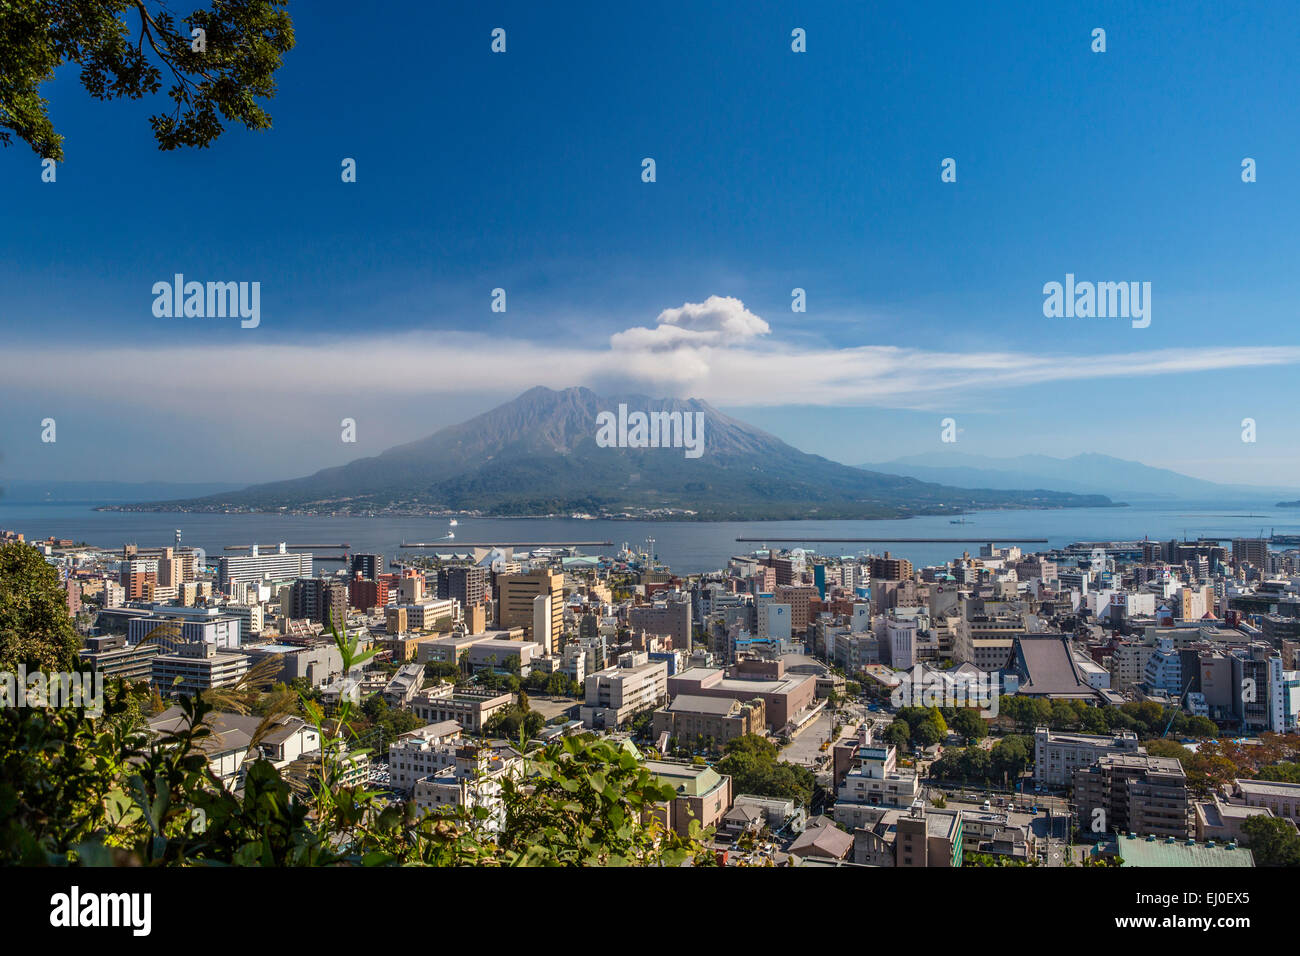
969	724
35	629
898	734
218	62
753	765
1273	841
927	733
1011	756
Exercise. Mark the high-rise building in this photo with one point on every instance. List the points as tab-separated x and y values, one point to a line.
365	593
319	599
1253	551
1134	792
370	566
410	587
516	594
890	568
671	618
542	633
466	584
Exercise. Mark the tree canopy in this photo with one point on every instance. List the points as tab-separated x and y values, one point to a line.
35	628
218	63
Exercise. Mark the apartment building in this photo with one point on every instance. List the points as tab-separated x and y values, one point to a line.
889	568
1058	755
670	618
467	584
1135	793
324	600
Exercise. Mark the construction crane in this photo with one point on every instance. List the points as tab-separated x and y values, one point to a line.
1181	698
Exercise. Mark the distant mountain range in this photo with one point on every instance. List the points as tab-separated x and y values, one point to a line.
538	455
1095	474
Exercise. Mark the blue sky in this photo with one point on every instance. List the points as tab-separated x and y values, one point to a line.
774	170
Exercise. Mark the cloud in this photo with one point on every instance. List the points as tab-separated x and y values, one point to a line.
717	321
421	364
711	350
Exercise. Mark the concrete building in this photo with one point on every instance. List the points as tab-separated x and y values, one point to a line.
1222	821
784	697
712	720
1281	799
324	600
615	694
467	584
422	752
469	706
516	596
542	633
1135	793
875	781
111	656
176	626
703	794
318	662
1058	755
985	636
279	565
671	618
472	781
404	685
199	667
928	837
369	566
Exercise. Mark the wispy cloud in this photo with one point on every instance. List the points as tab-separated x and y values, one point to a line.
716	350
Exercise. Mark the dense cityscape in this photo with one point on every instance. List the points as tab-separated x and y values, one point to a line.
1110	703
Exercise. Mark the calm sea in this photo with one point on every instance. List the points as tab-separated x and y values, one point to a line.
687	547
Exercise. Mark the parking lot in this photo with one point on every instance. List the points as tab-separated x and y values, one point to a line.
552	707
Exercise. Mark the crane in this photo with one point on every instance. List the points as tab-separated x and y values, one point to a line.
1181	698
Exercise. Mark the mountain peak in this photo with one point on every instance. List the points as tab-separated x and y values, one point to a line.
537	454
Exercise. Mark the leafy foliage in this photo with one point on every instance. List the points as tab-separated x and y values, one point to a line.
123	48
1274	842
751	761
35	630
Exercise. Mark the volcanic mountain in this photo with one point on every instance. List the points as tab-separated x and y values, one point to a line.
538	455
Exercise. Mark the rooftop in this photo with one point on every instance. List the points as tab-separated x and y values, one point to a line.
1141	851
